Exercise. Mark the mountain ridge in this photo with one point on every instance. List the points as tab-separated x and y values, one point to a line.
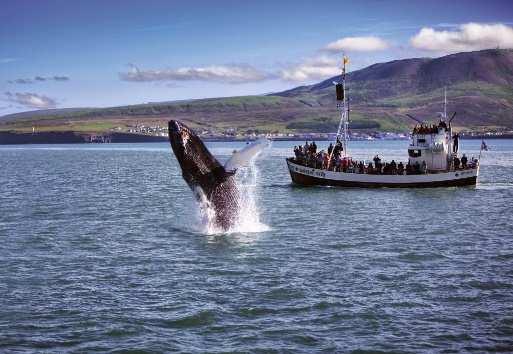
479	86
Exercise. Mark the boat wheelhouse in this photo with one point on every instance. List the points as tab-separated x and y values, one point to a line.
433	159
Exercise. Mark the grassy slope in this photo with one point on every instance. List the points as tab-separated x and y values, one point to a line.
477	104
380	97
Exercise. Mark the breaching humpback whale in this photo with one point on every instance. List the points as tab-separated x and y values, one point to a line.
202	170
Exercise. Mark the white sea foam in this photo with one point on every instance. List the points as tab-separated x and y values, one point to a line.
248	214
248	219
494	186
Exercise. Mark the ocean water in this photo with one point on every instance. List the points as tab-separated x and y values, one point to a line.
102	249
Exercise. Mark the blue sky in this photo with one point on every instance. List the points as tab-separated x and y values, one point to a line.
105	53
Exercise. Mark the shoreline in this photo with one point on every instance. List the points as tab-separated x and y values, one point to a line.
69	137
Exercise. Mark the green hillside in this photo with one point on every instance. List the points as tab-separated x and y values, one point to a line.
479	87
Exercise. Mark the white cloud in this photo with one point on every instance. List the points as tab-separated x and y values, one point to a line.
470	36
311	69
31	100
233	74
357	44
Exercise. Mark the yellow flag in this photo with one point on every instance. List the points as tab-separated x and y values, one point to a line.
346	60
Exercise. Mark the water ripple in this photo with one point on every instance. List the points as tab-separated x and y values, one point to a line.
100	254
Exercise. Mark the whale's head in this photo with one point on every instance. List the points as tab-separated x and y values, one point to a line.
199	167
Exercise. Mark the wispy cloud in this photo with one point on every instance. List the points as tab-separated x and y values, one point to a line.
54	78
31	100
470	36
447	25
357	44
311	69
7	60
39	79
60	78
232	74
21	81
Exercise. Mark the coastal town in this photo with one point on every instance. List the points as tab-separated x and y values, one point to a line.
155	132
252	134
355	135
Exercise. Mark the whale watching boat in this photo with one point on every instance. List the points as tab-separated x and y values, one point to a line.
433	158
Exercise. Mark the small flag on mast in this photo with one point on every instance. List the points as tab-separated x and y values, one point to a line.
345	61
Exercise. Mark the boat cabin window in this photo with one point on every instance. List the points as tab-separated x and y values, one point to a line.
421	141
414	152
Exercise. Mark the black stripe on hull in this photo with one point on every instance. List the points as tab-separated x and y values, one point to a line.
305	180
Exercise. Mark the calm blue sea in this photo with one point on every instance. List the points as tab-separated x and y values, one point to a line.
102	250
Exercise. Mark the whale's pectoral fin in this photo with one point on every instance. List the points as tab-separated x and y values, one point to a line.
244	156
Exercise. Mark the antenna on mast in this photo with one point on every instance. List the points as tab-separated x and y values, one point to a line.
445	102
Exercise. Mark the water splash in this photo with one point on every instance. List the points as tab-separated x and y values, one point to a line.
206	214
248	219
248	216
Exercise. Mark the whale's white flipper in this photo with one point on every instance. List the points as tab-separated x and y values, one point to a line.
242	157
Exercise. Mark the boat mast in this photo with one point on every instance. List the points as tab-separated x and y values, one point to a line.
445	103
449	138
343	107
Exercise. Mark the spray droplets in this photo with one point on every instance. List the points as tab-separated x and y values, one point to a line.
248	214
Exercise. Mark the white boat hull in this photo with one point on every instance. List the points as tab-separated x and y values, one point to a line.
308	176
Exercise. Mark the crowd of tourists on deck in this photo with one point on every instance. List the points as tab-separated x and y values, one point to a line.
464	163
430	129
332	160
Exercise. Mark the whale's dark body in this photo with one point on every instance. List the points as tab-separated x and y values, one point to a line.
202	170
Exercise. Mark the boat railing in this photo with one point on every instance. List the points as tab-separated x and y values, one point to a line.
384	168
